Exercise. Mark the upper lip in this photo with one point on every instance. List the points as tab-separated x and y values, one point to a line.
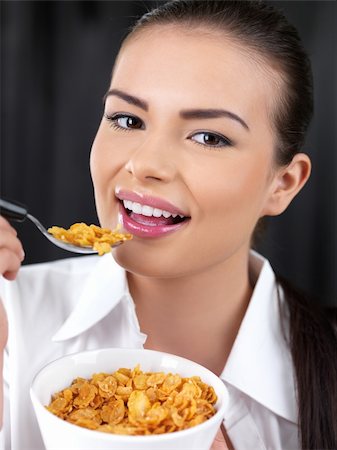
149	200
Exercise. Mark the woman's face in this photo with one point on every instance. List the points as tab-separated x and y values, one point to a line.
186	132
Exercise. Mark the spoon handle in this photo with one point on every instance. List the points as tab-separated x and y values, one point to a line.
12	210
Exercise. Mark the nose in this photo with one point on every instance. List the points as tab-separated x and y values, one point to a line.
152	161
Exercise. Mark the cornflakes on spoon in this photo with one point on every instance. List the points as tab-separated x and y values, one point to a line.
83	235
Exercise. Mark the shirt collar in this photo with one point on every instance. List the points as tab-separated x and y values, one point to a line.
259	364
104	288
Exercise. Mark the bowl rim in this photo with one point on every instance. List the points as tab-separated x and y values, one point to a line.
134	438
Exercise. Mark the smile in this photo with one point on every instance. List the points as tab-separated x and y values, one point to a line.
145	220
149	211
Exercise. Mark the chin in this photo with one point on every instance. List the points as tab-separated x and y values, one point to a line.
137	265
147	265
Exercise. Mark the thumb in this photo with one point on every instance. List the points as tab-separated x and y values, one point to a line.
219	442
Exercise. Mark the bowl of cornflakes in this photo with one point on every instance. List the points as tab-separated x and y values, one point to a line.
127	399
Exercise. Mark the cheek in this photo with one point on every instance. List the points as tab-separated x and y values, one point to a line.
105	159
227	200
104	166
98	183
94	165
233	196
97	156
98	179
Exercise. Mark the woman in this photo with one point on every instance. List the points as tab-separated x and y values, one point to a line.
201	138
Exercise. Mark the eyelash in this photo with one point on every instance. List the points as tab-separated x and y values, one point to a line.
225	141
113	120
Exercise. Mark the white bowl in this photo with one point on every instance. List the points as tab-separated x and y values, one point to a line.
58	434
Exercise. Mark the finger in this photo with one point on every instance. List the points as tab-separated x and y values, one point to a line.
9	241
7	226
9	263
3	328
219	442
10	276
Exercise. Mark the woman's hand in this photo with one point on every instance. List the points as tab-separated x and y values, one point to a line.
11	256
219	442
11	251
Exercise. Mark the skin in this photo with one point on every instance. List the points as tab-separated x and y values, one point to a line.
224	189
11	256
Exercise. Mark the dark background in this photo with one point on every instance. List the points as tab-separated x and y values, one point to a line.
56	60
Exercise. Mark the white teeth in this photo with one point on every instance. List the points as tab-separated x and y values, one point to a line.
128	204
157	212
137	208
147	210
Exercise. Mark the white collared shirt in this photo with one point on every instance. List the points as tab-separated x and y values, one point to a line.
84	303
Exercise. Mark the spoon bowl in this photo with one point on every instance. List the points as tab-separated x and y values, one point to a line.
14	211
58	242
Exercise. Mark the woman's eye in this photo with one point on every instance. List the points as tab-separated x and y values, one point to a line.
124	121
211	139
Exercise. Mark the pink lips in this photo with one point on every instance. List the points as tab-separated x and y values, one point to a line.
149	227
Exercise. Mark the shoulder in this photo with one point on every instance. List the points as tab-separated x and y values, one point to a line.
68	266
305	308
56	272
56	284
56	276
44	295
62	279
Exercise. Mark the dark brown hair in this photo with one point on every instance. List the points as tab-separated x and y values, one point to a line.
312	338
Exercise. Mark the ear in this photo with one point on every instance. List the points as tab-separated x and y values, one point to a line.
287	182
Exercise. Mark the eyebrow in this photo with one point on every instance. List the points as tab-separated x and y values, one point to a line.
132	100
212	114
188	114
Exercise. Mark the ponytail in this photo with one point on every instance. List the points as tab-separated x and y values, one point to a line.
313	346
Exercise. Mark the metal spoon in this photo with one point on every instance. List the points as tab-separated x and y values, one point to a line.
18	213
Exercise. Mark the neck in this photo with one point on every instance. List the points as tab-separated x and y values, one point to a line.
190	315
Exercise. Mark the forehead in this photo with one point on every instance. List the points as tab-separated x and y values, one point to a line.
197	66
